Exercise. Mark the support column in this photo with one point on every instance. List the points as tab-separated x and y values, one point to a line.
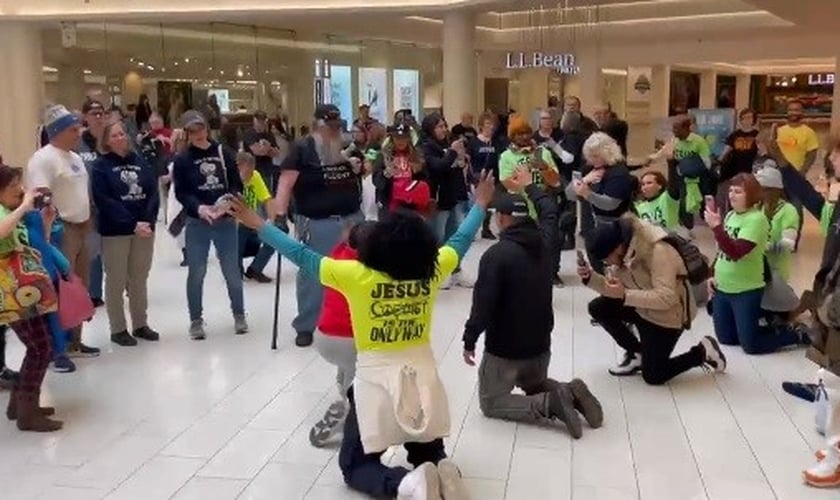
660	91
742	91
835	100
22	88
708	90
459	81
590	81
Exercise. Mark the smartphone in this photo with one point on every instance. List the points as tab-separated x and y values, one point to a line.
611	273
711	204
581	258
42	200
577	176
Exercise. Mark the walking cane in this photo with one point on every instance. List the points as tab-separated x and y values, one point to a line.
276	305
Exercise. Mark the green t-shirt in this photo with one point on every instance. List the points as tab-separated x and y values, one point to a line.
510	160
255	191
15	241
694	144
825	217
747	273
784	218
663	211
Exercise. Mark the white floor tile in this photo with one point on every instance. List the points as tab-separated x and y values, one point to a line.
245	454
286	481
211	488
158	479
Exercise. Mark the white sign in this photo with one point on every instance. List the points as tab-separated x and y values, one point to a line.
565	64
821	79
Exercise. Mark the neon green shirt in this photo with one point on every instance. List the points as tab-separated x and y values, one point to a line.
694	144
663	211
510	160
783	219
747	273
255	191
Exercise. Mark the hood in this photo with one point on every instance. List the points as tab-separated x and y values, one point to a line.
525	234
645	235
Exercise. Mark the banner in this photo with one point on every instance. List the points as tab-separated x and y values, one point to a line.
714	125
373	91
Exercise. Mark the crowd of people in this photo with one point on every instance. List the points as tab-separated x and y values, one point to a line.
382	217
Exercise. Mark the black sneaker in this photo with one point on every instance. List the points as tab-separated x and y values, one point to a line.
183	258
146	333
8	378
631	365
303	339
97	302
488	235
83	351
124	339
256	276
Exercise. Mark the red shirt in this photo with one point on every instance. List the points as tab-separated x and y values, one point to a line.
164	132
335	313
413	193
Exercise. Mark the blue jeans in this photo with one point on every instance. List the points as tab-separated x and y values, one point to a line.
264	254
446	222
321	235
96	278
736	318
223	234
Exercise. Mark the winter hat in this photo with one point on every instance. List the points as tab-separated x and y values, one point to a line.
770	178
57	119
519	125
605	238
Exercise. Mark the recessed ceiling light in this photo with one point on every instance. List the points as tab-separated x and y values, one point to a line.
186	59
87	71
150	67
175	63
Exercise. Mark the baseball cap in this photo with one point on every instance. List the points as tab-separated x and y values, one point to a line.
57	119
511	204
192	118
400	130
92	105
327	113
770	177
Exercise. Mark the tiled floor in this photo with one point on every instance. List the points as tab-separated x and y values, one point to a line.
228	418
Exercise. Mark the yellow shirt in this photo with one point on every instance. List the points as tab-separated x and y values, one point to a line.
796	142
255	191
387	315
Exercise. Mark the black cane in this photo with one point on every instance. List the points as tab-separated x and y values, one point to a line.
276	304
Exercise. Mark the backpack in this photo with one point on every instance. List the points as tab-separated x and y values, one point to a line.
696	264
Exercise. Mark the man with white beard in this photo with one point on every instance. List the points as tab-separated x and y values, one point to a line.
326	186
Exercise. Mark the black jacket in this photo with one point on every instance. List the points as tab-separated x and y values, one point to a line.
447	181
512	299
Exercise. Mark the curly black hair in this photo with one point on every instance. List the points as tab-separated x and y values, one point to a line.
403	246
359	233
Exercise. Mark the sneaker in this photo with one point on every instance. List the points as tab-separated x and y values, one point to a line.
451	484
124	339
558	282
8	378
630	365
97	302
808	392
256	276
197	330
826	472
303	339
586	403
146	333
83	351
330	425
423	483
561	405
240	324
446	284
715	358
62	364
460	280
802	332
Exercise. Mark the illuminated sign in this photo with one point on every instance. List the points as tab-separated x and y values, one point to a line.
565	64
821	79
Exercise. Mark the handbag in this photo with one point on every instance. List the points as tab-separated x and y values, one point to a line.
74	304
26	290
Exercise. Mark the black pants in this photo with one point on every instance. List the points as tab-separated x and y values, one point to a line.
655	343
3	329
365	472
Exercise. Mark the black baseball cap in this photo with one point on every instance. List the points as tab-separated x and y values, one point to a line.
511	204
328	113
400	130
92	105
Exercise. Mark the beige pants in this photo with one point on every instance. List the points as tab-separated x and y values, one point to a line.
127	261
74	246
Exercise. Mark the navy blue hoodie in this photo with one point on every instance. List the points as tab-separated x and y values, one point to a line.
125	192
199	177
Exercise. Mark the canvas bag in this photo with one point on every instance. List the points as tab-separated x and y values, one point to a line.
26	290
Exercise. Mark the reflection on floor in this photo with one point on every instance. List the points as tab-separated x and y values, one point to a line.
228	418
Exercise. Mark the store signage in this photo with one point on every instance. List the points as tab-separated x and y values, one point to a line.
565	64
821	79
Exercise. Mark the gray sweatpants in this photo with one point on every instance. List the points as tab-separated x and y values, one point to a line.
498	376
341	352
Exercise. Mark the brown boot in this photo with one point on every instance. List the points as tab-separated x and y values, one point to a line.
30	418
11	409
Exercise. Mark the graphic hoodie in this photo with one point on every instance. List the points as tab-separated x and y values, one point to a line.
125	189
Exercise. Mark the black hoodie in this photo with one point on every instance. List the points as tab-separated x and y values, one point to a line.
512	299
446	180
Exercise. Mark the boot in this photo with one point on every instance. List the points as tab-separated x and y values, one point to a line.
12	408
561	405
30	418
586	403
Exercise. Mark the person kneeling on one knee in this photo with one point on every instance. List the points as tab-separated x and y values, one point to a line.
512	303
646	287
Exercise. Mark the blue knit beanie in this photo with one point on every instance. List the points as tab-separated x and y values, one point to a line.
57	119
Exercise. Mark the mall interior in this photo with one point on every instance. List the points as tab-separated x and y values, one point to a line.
230	420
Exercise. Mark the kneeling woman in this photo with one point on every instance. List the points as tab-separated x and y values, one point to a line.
399	398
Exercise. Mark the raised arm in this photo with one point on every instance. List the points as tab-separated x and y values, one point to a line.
308	260
464	236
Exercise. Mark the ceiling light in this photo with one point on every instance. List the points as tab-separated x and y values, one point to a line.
240	73
150	67
87	71
222	72
175	63
141	64
49	69
186	59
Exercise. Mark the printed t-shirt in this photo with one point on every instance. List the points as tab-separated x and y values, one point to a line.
255	191
747	273
796	142
387	315
64	173
510	160
662	211
17	239
694	144
783	219
743	152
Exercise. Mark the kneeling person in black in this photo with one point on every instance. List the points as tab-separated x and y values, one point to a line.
512	303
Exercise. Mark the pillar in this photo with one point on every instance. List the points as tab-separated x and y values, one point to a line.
660	91
71	86
835	100
708	90
132	87
742	91
22	88
459	80
589	80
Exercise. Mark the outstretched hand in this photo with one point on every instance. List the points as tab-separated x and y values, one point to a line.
247	217
485	190
521	179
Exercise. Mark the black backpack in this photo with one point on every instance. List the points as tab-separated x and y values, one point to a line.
696	264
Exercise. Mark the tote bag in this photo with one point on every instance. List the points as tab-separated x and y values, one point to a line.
26	290
74	304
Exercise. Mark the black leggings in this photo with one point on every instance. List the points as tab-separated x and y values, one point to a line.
3	329
655	343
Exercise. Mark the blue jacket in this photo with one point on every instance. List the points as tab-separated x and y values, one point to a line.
201	177
125	192
51	257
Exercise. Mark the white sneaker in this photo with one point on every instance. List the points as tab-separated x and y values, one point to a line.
826	472
460	280
422	483
630	365
715	359
451	485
